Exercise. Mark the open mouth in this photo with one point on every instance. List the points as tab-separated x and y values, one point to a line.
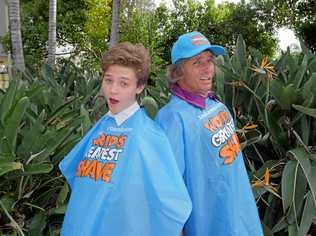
113	101
205	78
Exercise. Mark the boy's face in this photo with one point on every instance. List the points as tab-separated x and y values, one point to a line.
198	73
119	85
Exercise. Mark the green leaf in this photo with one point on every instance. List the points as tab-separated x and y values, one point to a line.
38	168
312	64
309	87
275	128
305	123
284	95
8	100
300	73
306	110
259	102
30	143
62	196
220	78
7	201
59	210
241	52
312	182
86	122
303	158
13	121
150	106
292	230
8	166
38	224
298	197
282	224
307	216
61	110
58	139
309	168
288	183
48	75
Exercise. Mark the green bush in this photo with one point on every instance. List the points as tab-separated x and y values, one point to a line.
274	104
41	119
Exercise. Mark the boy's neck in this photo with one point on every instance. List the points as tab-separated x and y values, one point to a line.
124	114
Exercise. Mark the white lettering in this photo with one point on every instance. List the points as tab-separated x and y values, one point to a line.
101	153
224	134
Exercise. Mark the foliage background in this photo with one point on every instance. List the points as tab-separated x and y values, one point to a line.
45	111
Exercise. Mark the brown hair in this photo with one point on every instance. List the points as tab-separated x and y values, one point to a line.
134	56
174	72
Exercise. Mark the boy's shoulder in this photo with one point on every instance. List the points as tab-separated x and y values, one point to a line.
150	135
150	128
175	107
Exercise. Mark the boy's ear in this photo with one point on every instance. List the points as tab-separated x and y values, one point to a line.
140	89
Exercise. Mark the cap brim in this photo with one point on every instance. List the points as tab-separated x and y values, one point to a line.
217	50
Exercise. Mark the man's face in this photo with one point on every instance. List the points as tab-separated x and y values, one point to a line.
198	73
119	85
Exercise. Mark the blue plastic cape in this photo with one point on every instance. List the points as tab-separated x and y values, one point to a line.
209	157
124	181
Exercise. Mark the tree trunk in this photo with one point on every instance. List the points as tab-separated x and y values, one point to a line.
16	36
114	38
52	32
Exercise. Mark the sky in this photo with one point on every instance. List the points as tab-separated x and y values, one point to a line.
285	36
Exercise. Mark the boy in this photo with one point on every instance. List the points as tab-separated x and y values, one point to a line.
123	175
203	138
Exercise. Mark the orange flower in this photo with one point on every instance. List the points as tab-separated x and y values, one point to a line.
264	182
265	68
250	125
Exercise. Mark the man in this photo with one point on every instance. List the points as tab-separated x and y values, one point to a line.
202	134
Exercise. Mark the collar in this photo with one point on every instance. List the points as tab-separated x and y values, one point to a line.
194	99
124	114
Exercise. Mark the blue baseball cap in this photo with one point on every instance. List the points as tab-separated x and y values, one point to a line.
191	44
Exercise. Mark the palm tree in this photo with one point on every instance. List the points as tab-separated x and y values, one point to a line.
114	38
16	36
52	32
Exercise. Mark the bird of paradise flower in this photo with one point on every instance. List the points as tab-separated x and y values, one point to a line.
266	184
265	69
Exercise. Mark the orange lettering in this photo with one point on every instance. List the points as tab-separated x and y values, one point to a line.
95	170
82	168
105	171
217	122
108	169
121	141
109	140
112	140
92	169
230	150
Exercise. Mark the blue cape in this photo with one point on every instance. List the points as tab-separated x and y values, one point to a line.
209	157
124	181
